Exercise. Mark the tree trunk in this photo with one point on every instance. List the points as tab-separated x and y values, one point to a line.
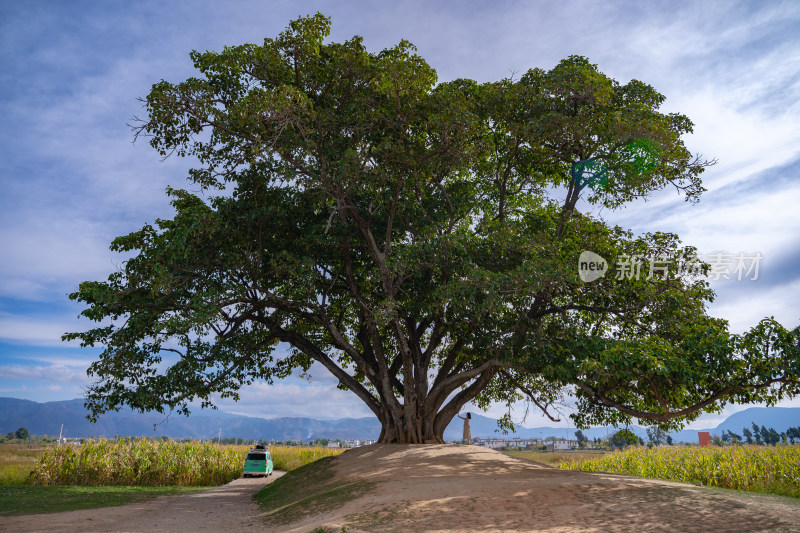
427	423
419	430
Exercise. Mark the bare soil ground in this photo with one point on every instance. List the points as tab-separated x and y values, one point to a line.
450	488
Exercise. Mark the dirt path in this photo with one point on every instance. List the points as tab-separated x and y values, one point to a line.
449	488
229	508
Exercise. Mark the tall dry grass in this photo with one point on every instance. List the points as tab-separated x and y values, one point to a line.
138	462
556	458
290	457
157	463
770	469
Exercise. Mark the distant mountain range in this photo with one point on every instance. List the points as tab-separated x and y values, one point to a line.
779	418
47	418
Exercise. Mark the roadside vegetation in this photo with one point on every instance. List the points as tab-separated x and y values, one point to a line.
143	462
139	462
39	478
768	469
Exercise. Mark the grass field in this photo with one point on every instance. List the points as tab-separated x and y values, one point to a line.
768	469
33	499
17	461
556	458
116	472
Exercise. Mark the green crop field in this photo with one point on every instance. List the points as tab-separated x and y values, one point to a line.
46	479
769	469
140	462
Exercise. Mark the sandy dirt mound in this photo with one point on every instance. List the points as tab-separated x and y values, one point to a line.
466	488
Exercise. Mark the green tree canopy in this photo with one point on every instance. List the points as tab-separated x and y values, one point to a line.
622	438
656	435
420	240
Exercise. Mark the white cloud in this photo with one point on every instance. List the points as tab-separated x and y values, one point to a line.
78	359
742	313
49	374
39	331
286	399
50	257
745	141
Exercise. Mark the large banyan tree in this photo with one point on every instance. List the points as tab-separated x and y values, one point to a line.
421	241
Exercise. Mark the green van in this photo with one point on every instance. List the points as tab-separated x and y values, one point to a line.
258	462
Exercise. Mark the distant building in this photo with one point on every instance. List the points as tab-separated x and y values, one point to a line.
497	444
334	444
494	444
564	444
517	443
356	443
524	443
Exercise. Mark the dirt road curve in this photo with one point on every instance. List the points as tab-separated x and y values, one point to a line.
228	508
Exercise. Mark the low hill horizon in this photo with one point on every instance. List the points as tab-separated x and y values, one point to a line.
46	418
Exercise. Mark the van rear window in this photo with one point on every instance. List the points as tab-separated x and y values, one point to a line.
256	457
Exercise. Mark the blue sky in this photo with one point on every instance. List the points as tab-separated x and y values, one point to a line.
72	180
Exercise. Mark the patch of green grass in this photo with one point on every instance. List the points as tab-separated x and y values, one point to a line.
33	499
14	474
308	490
17	462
